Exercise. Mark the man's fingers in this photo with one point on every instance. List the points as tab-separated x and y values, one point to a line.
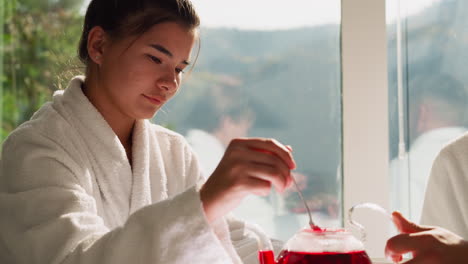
399	245
406	243
420	259
406	226
411	239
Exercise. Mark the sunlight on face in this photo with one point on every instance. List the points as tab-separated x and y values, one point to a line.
140	75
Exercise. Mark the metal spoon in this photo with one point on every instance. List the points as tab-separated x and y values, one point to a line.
313	226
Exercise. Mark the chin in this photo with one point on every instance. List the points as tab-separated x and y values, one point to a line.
145	115
145	112
148	116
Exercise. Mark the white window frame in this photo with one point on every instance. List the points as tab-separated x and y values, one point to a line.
365	115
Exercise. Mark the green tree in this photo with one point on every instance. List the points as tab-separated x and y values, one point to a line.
40	39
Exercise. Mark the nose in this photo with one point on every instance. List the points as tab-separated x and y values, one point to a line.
168	81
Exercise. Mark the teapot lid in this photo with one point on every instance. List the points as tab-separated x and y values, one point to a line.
336	240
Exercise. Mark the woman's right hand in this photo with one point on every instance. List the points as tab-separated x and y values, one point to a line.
249	166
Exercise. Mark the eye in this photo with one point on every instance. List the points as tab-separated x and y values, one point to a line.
154	59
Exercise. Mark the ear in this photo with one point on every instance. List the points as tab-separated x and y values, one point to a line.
97	38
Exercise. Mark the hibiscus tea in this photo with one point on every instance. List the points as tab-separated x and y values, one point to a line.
290	257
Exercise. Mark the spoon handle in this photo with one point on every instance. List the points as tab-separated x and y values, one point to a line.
311	222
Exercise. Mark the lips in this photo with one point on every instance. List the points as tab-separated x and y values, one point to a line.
154	99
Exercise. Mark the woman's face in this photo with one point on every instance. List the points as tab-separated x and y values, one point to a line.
137	76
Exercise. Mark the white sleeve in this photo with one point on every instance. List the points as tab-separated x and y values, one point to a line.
446	196
244	237
47	216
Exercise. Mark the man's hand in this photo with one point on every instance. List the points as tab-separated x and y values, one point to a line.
429	245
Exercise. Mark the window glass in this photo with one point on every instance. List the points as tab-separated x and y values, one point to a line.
265	69
269	70
427	91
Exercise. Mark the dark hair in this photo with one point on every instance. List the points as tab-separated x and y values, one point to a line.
120	18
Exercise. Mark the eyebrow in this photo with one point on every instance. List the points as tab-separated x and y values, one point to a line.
166	51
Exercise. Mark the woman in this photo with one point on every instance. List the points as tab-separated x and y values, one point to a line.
89	180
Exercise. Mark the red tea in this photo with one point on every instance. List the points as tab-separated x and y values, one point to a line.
290	257
266	257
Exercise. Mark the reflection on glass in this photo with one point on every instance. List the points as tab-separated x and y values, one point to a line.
430	70
270	78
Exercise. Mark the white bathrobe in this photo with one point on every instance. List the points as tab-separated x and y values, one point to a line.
69	195
446	200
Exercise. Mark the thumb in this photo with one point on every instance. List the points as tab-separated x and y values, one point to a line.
406	226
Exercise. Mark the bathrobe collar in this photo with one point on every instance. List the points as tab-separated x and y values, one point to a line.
123	190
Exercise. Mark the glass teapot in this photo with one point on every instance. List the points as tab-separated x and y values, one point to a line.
326	246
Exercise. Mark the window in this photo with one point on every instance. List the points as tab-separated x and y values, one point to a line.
315	78
276	75
427	92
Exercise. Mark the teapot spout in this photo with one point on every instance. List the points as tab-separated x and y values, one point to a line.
266	257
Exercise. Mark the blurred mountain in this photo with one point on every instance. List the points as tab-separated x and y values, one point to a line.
294	74
434	41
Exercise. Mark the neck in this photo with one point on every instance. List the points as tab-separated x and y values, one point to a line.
121	124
